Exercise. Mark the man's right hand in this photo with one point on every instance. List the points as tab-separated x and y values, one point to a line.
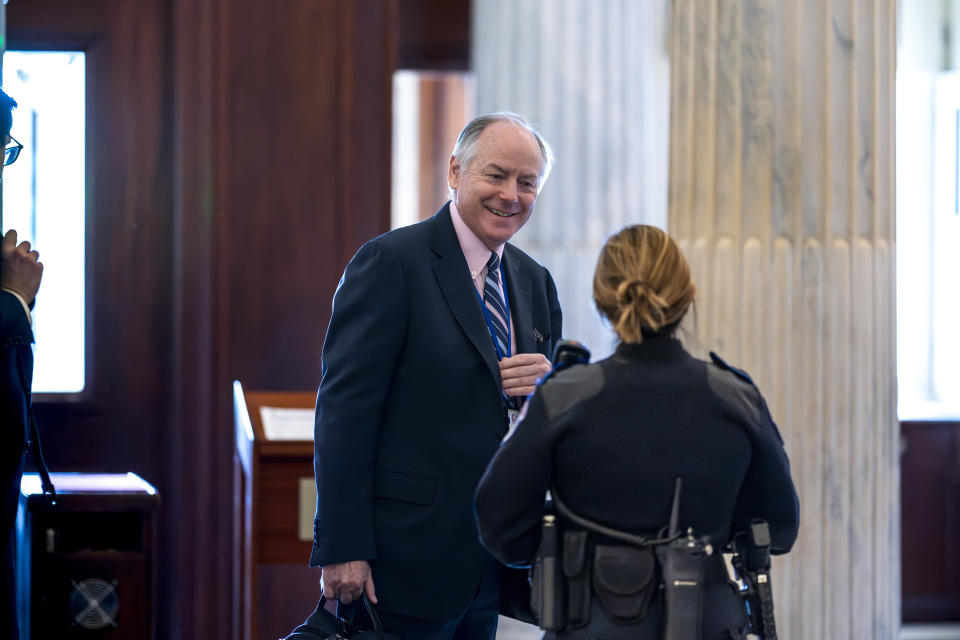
347	580
20	269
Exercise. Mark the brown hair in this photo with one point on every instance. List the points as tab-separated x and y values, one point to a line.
642	283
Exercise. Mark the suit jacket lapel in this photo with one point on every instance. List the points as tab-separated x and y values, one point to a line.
521	303
452	272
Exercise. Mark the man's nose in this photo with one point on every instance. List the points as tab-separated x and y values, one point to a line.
509	191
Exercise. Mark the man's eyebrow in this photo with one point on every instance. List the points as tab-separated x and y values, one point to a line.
496	167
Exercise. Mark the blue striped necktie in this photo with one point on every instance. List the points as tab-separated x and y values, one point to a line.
494	303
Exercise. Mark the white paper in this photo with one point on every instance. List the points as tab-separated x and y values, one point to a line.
281	423
308	507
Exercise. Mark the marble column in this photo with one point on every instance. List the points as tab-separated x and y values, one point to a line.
781	194
593	75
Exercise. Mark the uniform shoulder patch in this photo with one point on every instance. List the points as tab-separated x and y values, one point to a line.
740	373
570	386
743	375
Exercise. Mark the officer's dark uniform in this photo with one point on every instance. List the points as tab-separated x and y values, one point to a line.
611	437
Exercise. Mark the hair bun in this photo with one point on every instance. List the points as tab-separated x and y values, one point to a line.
632	291
637	299
642	282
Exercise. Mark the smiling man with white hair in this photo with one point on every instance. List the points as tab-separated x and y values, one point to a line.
439	332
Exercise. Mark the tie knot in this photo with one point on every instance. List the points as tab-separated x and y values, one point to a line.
493	263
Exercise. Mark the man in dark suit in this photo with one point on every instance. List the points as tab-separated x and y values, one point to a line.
439	332
20	274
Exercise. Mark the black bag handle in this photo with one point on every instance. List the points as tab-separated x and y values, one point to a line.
367	605
372	612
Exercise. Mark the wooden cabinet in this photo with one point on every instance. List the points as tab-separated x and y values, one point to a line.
86	562
274	500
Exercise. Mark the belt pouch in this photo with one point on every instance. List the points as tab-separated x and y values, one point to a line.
683	566
577	578
624	580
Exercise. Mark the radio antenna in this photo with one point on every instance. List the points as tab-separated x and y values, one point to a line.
675	509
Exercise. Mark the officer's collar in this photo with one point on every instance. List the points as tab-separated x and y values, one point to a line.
657	345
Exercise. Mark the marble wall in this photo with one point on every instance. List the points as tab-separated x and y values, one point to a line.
594	77
781	193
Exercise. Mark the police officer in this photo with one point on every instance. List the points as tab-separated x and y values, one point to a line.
611	438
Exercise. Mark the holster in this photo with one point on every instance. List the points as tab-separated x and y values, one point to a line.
546	579
683	569
576	570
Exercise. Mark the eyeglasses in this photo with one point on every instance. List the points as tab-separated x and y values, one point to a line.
11	153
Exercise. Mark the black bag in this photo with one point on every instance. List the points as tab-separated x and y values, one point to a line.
323	625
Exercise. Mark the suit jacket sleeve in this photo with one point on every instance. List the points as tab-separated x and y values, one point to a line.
16	372
362	345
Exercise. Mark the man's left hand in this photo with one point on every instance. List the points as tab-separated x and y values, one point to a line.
20	270
520	373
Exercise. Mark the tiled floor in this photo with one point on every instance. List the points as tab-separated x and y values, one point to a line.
930	632
512	630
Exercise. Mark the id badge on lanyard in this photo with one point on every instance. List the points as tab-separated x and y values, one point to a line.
513	419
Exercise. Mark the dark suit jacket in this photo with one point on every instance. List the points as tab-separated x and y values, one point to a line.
409	412
16	372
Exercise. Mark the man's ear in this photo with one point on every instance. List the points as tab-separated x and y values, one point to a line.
453	173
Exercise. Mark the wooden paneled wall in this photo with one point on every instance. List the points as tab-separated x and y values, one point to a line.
433	35
294	177
305	171
930	499
238	155
120	420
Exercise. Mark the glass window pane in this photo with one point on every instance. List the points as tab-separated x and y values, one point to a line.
43	199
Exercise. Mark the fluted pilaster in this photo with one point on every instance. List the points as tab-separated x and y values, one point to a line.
781	194
594	76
